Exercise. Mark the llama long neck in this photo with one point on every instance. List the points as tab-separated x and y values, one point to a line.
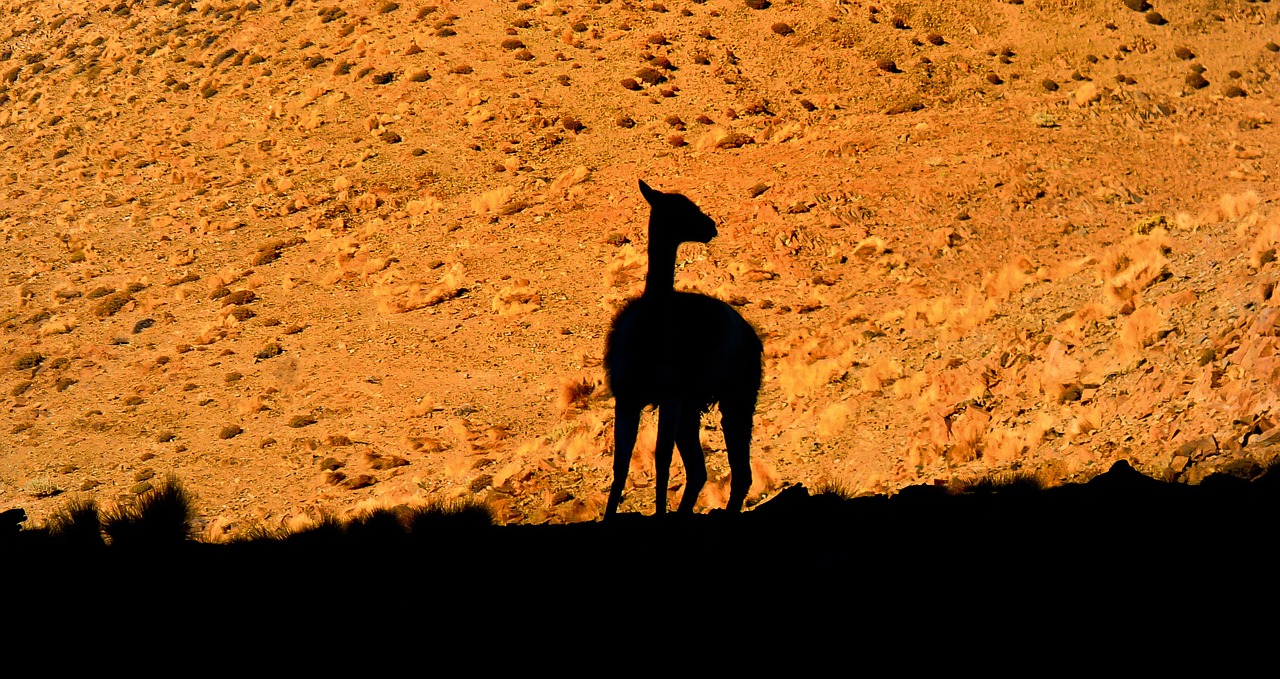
661	277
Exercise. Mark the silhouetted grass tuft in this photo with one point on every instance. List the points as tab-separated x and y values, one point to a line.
160	517
76	524
1011	482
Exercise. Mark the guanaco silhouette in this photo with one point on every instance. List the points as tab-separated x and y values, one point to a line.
681	352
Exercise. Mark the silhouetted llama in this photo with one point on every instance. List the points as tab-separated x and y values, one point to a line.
681	352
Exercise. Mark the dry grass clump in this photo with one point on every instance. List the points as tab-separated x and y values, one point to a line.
1011	278
112	304
1131	267
517	298
577	392
405	297
1141	329
1263	249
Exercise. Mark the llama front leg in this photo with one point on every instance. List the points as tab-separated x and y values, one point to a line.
626	422
668	420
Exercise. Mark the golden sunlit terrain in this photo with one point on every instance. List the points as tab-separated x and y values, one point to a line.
316	256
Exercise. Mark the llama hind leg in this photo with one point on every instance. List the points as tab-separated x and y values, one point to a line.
669	413
736	420
695	464
626	422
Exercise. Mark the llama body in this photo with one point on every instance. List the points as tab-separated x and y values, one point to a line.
682	352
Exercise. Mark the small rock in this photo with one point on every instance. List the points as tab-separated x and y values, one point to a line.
330	464
1199	448
359	481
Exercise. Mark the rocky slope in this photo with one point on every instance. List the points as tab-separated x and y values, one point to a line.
317	256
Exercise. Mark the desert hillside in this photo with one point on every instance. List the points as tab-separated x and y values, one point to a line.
314	256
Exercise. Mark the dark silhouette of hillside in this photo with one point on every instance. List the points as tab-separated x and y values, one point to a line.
1120	524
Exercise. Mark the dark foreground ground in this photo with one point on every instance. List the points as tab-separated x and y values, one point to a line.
1120	527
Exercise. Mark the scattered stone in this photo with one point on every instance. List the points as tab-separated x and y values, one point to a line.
758	4
1049	85
359	481
1196	81
299	421
1184	53
330	464
782	29
758	189
649	76
230	431
143	325
28	361
480	483
1233	91
1137	5
907	106
1156	19
239	297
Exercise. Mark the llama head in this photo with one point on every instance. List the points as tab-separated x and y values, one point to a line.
674	218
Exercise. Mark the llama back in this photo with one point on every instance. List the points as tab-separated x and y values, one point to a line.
685	344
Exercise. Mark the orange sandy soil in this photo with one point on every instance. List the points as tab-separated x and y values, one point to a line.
322	256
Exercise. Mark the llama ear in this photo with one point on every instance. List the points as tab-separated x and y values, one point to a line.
648	193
